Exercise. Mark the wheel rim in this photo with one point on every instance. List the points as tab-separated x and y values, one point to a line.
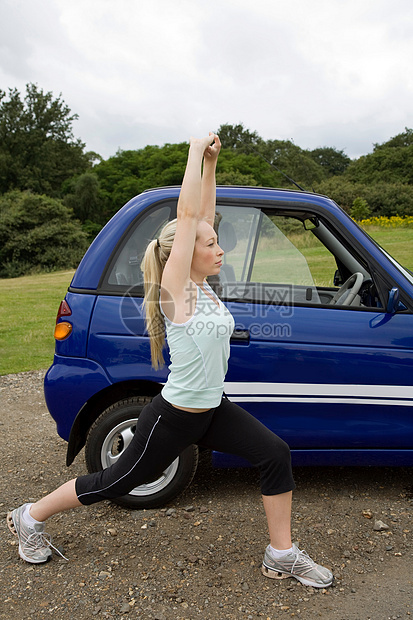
116	443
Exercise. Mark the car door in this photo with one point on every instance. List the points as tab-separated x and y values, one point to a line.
322	376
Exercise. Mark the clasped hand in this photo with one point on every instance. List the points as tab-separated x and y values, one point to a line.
210	145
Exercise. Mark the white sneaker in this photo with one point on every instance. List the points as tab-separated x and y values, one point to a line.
34	542
299	565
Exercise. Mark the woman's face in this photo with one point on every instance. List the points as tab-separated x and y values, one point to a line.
207	256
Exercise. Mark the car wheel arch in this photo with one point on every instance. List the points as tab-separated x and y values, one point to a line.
95	406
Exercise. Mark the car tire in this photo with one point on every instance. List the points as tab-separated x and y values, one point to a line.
109	436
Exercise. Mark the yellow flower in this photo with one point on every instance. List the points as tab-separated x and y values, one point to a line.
395	221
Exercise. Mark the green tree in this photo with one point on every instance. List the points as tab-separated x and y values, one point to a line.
249	160
383	198
331	160
389	198
235	177
83	197
129	173
91	229
293	161
38	151
251	166
402	139
288	162
390	162
238	138
341	190
37	233
360	209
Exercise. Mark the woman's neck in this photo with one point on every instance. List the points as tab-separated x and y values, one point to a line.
199	281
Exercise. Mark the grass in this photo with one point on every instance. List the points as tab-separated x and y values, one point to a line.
397	241
28	305
28	308
313	264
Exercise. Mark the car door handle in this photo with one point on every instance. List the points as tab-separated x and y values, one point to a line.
240	336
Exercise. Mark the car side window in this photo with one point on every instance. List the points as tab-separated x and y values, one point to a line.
125	270
287	258
281	252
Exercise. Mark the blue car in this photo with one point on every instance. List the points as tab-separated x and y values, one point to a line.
322	351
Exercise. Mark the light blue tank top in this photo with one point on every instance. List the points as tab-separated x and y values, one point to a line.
199	350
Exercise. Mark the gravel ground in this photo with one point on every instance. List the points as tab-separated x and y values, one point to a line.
200	556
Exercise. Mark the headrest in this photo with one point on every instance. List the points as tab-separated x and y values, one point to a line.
227	238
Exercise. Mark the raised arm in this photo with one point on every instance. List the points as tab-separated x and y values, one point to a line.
208	184
176	274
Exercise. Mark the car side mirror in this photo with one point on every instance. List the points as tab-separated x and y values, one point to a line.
393	301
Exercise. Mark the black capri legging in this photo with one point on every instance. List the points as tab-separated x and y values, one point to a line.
163	432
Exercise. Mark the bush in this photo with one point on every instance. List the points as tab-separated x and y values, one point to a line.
37	233
360	209
91	229
387	199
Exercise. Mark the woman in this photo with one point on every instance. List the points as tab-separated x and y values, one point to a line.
191	407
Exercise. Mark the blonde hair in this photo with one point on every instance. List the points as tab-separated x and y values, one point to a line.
156	255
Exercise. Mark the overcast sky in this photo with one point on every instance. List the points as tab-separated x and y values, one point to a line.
319	72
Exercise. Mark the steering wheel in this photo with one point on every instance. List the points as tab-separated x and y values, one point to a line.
347	292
